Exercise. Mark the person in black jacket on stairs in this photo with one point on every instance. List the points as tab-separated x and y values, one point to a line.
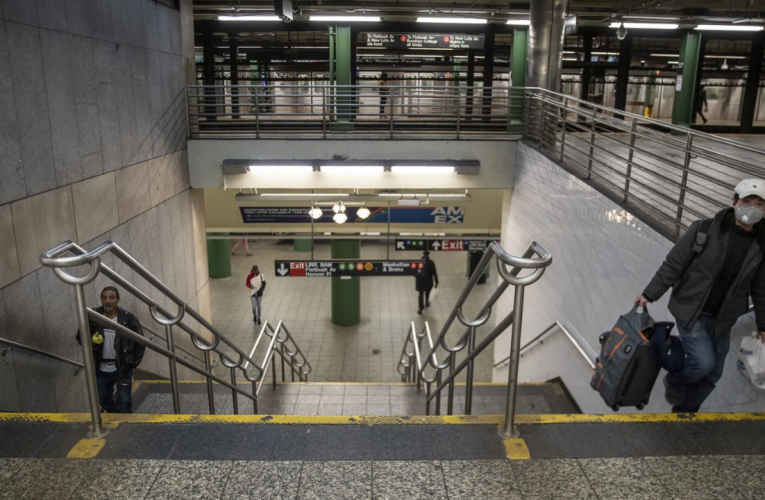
114	356
424	281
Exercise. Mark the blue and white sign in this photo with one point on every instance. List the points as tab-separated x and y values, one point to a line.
398	215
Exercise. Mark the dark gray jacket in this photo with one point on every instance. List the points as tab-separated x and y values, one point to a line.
691	276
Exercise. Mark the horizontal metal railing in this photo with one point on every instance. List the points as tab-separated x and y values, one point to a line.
423	365
33	350
674	174
580	345
329	110
70	255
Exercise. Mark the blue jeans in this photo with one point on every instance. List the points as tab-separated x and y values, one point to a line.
704	361
106	382
257	309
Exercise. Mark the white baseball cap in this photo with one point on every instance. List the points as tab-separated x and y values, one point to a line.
749	187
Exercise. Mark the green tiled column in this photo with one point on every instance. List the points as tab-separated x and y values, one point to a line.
346	293
518	66
682	109
343	67
219	257
302	245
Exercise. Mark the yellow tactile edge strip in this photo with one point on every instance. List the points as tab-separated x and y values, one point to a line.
112	420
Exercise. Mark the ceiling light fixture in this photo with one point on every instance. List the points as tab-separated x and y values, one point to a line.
353	19
340	217
363	212
338	207
403	169
451	20
279	169
728	27
724	65
519	22
351	169
249	18
665	55
315	212
646	26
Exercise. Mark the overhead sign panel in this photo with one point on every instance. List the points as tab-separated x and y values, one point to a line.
443	245
329	268
424	41
398	215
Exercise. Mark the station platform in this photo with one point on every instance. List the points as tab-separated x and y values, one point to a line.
703	456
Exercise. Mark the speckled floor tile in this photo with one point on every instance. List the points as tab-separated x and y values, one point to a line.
157	403
411	480
8	467
263	480
696	477
46	478
188	480
634	480
336	481
529	405
480	480
747	472
126	480
551	479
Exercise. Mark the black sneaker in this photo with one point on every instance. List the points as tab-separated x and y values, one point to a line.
419	311
672	395
427	305
259	322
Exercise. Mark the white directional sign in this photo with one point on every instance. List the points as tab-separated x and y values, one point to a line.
328	268
444	245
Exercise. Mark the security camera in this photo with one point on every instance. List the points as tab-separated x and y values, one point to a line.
621	32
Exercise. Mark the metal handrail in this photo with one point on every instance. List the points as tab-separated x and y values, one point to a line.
673	191
34	350
415	363
538	340
59	260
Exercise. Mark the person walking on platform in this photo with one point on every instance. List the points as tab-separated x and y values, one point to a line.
702	104
424	280
713	270
256	282
115	356
384	90
246	243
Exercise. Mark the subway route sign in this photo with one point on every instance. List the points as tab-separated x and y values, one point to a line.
424	41
443	245
330	268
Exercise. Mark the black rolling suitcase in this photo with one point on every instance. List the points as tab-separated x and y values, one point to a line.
627	367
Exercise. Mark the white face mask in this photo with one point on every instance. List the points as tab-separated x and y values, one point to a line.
749	215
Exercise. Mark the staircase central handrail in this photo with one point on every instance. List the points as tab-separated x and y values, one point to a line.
34	350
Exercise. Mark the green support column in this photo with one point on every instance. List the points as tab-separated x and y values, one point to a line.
682	109
518	65
346	293
219	257
343	68
302	245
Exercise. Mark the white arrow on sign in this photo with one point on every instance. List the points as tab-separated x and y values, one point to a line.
283	270
400	245
436	245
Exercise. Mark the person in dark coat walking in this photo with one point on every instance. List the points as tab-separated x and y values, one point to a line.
424	280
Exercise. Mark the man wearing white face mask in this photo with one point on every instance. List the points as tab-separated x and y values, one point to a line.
713	270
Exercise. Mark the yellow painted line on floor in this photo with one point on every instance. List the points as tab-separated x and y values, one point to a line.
516	449
136	385
86	448
111	420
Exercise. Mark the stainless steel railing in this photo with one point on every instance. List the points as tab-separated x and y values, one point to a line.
423	366
580	345
674	174
70	255
332	110
4	350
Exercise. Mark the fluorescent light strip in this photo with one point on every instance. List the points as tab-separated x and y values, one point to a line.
519	22
279	169
604	53
451	20
401	169
358	19
665	55
654	18
728	27
647	26
351	170
710	56
312	195
673	62
249	18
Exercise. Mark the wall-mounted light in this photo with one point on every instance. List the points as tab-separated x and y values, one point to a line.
351	19
519	22
728	27
315	212
417	170
249	18
451	20
282	168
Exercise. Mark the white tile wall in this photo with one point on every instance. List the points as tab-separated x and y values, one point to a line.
602	259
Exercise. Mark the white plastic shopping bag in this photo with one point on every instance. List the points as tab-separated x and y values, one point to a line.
433	295
751	360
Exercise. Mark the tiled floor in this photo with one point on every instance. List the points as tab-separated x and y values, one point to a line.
345	354
349	400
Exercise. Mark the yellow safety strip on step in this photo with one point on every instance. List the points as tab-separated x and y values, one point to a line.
136	385
86	448
111	420
516	449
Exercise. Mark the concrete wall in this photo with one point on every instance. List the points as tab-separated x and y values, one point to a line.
497	163
92	148
483	215
602	260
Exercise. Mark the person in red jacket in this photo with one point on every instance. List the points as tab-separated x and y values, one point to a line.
256	282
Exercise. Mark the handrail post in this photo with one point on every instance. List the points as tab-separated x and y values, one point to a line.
392	110
470	368
233	391
630	156
90	370
427	398
284	362
592	142
323	116
563	133
210	393
683	183
173	370
438	393
273	369
257	114
450	396
509	430
255	398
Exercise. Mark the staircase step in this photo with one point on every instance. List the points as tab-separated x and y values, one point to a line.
155	397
